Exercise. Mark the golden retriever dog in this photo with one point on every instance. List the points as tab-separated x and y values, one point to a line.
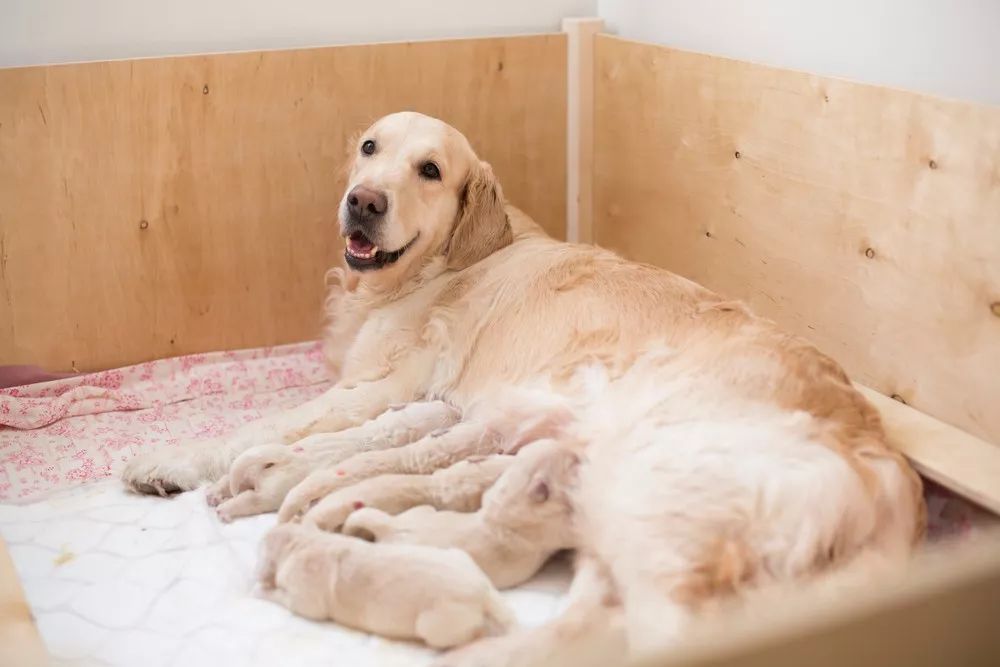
717	453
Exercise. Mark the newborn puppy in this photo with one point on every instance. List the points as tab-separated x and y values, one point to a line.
525	517
400	591
261	477
459	487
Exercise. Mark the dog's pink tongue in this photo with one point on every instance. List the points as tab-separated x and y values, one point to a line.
359	243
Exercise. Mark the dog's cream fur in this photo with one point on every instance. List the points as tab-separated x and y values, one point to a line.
718	452
408	592
525	518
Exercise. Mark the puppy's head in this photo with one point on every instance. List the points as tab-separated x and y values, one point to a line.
416	189
537	491
274	548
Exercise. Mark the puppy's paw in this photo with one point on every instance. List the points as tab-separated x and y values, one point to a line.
218	492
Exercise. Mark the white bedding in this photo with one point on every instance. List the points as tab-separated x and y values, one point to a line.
119	579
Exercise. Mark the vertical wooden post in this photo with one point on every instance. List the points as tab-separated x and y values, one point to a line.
20	643
580	127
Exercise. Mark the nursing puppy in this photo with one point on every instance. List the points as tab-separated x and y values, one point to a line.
438	596
450	294
525	518
261	477
459	488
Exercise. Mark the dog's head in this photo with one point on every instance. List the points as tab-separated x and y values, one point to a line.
416	189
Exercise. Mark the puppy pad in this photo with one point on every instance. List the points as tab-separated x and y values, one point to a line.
114	578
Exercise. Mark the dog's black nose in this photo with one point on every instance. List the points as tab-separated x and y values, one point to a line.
366	204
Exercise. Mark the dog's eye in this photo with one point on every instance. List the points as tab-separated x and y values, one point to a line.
368	147
430	171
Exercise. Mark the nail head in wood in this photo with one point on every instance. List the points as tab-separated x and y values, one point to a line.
143	224
204	89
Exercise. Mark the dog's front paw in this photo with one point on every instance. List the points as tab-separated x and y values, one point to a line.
170	470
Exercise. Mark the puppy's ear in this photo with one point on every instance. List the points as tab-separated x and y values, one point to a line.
539	491
482	227
559	469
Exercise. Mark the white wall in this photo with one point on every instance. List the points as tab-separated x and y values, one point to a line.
34	32
944	47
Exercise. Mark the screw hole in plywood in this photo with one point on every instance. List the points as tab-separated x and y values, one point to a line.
737	155
204	89
143	224
870	253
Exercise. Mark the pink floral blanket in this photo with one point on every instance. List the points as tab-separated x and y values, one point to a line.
78	429
68	431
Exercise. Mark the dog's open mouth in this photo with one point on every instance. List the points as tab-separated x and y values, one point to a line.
361	253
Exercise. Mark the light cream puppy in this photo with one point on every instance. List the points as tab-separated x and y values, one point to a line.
499	423
459	488
525	518
260	477
438	596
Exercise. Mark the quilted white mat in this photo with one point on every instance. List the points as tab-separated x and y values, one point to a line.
119	579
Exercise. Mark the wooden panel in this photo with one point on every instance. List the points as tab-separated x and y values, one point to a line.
940	610
949	456
864	218
581	35
19	641
150	208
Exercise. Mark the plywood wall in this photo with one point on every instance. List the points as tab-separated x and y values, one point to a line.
151	208
864	218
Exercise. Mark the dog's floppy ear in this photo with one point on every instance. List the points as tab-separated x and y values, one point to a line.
482	227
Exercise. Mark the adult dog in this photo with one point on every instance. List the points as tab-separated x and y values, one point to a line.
716	451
